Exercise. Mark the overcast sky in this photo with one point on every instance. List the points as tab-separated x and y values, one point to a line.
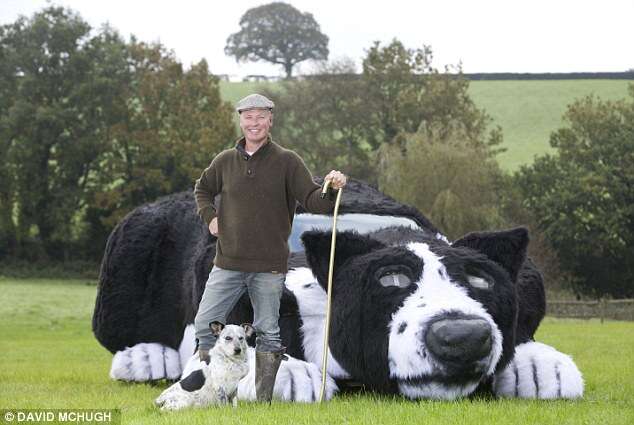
485	35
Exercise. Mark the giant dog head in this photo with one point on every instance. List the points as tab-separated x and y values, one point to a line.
415	315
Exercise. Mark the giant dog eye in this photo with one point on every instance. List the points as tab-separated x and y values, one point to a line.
395	275
478	278
480	282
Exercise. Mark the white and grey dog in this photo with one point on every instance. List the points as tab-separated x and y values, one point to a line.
215	383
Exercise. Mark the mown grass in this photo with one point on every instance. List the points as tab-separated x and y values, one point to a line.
50	359
527	111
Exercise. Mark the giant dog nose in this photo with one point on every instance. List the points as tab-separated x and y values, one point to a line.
459	339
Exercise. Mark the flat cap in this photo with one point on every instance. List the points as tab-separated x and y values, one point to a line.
254	101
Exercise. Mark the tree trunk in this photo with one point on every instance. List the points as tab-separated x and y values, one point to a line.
288	67
41	215
7	228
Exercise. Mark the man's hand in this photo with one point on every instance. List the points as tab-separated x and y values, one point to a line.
337	179
213	226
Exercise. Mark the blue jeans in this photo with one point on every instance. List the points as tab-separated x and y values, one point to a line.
223	290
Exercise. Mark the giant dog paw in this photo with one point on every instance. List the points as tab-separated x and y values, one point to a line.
539	371
146	362
296	380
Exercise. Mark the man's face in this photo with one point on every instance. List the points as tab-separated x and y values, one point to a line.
255	124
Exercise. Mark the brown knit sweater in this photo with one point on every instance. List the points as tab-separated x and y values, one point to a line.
258	197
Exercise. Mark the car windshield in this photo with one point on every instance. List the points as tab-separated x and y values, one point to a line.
362	223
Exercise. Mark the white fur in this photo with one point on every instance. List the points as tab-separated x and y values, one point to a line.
442	237
145	362
436	390
225	370
556	374
296	380
312	301
194	363
188	345
436	294
152	361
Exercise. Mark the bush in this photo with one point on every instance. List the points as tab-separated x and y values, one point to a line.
583	196
25	269
456	185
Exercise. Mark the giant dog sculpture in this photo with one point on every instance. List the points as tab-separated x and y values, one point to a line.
412	313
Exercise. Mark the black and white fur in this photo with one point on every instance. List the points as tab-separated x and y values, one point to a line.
215	383
158	259
474	280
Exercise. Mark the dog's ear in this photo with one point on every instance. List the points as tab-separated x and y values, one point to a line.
507	247
349	244
216	328
248	329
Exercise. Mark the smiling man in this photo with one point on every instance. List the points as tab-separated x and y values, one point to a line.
259	183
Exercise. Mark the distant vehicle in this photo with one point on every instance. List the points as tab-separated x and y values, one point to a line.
255	78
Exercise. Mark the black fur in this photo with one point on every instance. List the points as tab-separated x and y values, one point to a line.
501	247
362	308
157	261
158	258
360	302
194	381
145	290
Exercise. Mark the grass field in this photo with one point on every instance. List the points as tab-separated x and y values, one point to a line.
527	111
50	359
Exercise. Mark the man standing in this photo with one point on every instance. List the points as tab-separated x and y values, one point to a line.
259	183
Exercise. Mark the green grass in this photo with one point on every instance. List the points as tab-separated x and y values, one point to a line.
232	92
527	111
50	359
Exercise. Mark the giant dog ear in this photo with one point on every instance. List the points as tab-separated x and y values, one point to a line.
507	248
349	244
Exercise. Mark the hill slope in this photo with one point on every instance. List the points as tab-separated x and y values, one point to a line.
527	111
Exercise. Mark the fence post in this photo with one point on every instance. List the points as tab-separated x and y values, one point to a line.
602	308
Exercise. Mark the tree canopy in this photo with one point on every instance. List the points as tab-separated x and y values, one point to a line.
92	126
59	90
278	33
337	118
583	196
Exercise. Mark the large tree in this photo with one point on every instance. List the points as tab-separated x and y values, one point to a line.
409	95
583	196
280	34
92	126
59	88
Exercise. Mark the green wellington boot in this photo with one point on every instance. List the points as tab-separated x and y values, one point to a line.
266	367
